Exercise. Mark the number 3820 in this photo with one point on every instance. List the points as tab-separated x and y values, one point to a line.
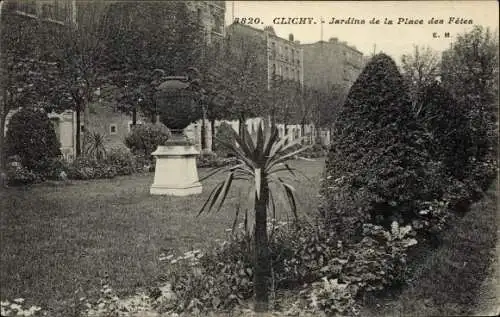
248	20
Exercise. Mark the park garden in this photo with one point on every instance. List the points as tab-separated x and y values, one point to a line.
399	207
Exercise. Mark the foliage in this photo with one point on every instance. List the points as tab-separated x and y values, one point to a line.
122	160
15	308
145	138
446	125
239	75
79	53
420	69
259	162
95	146
149	36
470	73
83	168
224	134
315	151
31	136
211	159
20	175
376	164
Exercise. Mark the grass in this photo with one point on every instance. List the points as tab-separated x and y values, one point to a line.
58	242
448	280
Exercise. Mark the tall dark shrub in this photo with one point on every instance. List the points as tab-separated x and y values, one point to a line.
447	128
375	169
31	136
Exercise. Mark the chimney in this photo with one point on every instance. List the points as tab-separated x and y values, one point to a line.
290	37
333	40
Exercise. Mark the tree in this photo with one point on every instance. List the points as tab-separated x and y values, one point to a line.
260	161
420	69
376	164
470	72
244	77
78	49
26	78
446	125
150	38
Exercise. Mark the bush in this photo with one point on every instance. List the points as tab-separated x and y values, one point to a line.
300	255
224	134
315	151
379	150
122	160
19	176
31	136
446	124
145	138
83	168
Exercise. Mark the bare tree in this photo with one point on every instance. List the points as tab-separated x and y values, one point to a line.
420	69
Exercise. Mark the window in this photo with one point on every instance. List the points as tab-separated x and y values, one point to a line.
112	129
82	128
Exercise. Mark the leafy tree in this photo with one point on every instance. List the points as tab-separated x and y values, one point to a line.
243	77
150	36
31	136
446	125
26	79
260	161
470	73
420	69
78	49
378	154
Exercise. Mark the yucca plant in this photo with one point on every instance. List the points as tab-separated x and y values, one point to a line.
95	147
260	162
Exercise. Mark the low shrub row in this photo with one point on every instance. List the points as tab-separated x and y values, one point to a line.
117	162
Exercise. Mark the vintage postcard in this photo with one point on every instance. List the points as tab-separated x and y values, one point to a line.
249	158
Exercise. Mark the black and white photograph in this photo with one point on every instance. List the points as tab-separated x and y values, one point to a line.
249	158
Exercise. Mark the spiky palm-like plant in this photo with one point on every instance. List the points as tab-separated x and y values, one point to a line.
260	163
95	146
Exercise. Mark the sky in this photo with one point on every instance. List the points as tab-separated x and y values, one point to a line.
395	39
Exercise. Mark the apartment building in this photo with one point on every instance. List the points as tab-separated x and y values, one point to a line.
281	57
331	63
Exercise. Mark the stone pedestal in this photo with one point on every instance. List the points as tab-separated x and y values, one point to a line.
176	173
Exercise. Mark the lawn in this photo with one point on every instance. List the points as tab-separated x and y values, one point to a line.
60	240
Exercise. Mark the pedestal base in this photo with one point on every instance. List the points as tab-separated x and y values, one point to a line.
176	173
171	191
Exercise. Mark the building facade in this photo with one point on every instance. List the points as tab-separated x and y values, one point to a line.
211	14
332	63
280	57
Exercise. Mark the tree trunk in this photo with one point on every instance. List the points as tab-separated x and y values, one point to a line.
303	124
241	126
78	134
203	133
134	116
86	120
212	128
262	261
3	157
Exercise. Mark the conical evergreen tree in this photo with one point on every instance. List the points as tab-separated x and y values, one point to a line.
375	168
